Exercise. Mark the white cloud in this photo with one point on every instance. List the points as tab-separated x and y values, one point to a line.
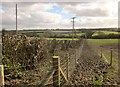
35	15
92	9
58	0
97	22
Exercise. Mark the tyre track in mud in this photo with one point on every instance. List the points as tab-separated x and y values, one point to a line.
90	67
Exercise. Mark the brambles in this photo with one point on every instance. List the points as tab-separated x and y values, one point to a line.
22	51
25	57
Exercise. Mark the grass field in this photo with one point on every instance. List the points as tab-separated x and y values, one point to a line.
106	45
78	34
103	41
62	38
105	33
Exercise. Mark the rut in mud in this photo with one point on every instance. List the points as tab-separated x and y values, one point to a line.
90	68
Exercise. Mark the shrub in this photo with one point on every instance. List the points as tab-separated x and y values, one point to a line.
23	51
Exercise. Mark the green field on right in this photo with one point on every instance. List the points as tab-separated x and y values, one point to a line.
105	46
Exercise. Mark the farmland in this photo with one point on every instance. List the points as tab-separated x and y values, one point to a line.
59	44
62	38
106	45
92	69
68	32
25	57
105	32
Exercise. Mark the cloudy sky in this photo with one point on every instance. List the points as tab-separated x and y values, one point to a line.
90	14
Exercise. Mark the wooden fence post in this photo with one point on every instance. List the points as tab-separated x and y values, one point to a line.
76	56
67	66
111	52
56	75
101	53
1	76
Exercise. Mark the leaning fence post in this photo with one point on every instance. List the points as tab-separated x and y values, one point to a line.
67	66
56	75
1	76
75	57
101	53
111	57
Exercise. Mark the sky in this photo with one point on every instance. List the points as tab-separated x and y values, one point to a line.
58	14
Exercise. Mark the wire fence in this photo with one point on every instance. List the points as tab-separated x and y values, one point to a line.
68	60
39	70
55	72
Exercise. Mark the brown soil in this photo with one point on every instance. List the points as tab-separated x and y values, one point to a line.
91	68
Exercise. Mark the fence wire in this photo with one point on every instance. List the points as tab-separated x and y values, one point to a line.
67	54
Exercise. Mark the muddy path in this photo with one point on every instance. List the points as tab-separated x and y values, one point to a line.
91	69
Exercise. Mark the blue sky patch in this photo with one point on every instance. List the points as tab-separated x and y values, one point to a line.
59	10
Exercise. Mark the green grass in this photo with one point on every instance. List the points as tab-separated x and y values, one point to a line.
78	34
96	46
105	33
97	82
62	38
110	32
66	34
103	41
